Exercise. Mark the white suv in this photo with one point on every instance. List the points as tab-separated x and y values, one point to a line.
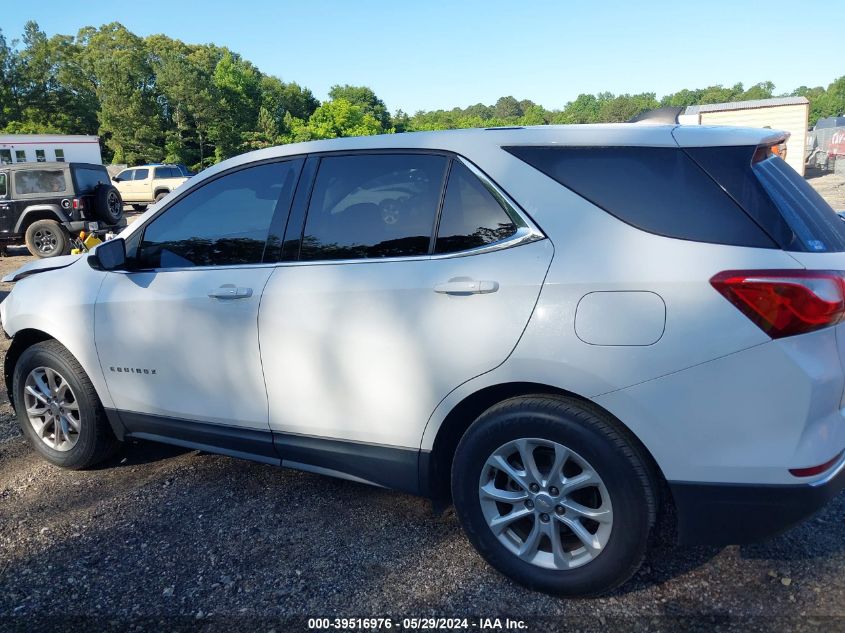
565	330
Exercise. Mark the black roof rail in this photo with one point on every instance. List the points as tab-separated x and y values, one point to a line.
668	114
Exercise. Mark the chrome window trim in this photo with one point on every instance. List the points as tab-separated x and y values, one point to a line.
526	231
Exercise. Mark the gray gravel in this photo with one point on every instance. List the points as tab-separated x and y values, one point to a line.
161	538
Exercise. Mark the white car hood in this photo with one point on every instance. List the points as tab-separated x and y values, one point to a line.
40	266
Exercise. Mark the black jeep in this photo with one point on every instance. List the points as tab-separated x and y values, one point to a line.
46	205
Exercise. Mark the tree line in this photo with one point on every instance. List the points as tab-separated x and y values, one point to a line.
159	99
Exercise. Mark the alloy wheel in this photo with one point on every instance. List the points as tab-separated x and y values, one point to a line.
52	408
545	503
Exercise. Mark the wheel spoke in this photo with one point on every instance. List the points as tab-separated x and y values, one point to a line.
590	541
35	393
51	381
499	524
490	491
561	558
526	454
602	515
40	380
532	542
581	480
500	463
73	424
556	471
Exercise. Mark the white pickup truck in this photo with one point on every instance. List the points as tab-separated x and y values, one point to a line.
146	184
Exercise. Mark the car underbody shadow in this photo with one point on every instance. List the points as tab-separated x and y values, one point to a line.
138	452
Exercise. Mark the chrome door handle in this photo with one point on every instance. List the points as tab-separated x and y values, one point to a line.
229	291
464	286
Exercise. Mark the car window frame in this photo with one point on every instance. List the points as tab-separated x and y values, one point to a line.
277	222
527	231
6	185
137	169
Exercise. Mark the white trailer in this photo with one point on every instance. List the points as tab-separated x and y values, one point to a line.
40	148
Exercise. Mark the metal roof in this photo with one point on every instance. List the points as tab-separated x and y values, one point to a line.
746	105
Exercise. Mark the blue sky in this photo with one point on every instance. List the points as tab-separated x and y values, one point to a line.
426	55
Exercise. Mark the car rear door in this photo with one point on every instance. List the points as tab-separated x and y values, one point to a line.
177	334
375	322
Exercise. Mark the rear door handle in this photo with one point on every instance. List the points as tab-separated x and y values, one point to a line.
464	286
230	291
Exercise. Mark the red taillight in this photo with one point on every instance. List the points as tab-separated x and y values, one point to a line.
78	203
815	470
785	302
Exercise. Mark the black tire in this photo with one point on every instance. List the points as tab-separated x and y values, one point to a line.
108	205
161	195
95	440
139	207
611	453
47	238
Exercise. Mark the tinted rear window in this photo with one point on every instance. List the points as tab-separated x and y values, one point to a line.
816	225
776	196
657	189
87	178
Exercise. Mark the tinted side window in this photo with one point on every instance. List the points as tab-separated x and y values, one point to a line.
141	174
126	174
60	155
5	156
471	216
3	186
20	156
376	205
40	156
225	222
657	189
40	181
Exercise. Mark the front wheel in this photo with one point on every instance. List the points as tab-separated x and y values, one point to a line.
58	409
552	493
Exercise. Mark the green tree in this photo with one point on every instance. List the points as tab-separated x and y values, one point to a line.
237	89
365	99
340	117
125	87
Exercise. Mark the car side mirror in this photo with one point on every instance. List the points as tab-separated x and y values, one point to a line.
116	179
110	255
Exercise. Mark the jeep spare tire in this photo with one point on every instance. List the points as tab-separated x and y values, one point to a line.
108	205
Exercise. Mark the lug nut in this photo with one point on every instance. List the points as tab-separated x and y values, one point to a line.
560	510
529	504
534	488
544	518
553	491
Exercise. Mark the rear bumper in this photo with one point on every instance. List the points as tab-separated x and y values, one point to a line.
736	514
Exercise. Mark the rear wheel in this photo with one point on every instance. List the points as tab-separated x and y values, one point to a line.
161	195
58	409
46	238
139	207
554	495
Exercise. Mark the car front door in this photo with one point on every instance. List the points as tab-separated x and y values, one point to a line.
123	182
376	321
177	334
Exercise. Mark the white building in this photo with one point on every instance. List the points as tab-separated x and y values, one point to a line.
790	114
31	148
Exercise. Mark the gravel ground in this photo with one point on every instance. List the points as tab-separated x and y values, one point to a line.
162	538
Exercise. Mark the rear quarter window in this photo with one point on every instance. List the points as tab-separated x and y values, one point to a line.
657	189
87	178
40	181
776	196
